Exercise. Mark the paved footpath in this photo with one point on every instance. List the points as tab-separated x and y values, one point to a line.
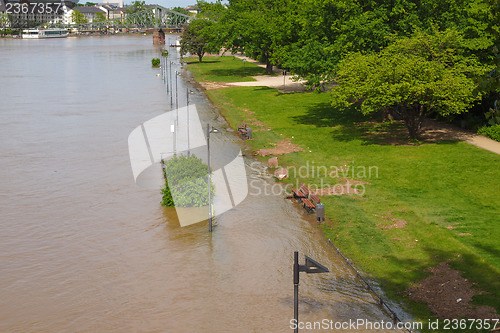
450	132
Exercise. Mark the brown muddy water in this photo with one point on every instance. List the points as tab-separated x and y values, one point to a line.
85	249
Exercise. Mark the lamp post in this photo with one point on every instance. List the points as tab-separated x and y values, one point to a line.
311	266
172	130
244	70
209	176
170	74
176	92
187	118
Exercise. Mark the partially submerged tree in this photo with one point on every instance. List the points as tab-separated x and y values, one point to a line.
413	77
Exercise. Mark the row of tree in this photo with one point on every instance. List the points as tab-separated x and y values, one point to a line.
408	57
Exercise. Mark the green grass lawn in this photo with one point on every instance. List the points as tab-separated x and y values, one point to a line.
446	192
223	69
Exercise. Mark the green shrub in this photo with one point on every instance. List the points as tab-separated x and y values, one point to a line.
167	200
155	62
186	182
492	132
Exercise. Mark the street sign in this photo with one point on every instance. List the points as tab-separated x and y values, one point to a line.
312	266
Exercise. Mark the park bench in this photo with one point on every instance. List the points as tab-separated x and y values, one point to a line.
301	193
310	204
243	129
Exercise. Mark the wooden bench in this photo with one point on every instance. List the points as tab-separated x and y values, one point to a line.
301	193
310	204
243	130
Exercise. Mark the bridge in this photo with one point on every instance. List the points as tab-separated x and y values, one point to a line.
153	17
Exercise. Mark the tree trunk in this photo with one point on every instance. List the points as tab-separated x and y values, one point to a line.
269	67
413	117
200	56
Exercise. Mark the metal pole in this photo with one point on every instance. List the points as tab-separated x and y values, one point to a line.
176	92
172	130
296	289
166	76
187	106
171	102
209	182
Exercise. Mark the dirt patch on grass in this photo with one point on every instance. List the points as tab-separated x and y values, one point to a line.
396	223
339	189
449	295
282	147
343	187
352	182
208	85
256	125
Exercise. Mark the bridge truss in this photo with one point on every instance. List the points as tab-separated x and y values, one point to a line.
153	17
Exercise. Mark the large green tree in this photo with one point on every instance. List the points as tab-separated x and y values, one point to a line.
413	77
194	39
260	29
329	30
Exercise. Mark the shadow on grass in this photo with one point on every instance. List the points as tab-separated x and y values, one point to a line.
203	62
350	124
252	71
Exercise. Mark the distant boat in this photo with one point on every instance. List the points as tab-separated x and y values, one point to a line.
44	33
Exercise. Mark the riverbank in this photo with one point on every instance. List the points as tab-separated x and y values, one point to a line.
423	209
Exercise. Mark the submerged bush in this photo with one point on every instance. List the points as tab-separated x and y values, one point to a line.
186	183
155	62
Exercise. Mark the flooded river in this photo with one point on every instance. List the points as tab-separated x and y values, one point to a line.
85	249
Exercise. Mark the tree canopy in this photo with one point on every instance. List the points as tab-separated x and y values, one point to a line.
136	6
194	39
413	77
317	39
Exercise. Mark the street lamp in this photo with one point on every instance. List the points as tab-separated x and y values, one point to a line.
210	130
176	92
244	70
171	92
311	266
187	110
172	130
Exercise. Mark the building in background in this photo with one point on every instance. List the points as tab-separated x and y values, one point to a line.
90	12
